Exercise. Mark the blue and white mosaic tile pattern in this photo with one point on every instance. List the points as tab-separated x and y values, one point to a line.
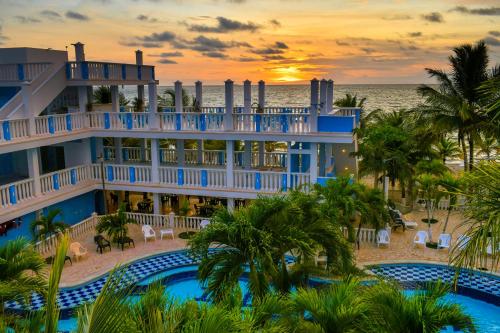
472	280
72	297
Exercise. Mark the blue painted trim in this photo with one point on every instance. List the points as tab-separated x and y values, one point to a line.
55	179
203	122
68	71
6	130
20	72
107	123
106	71
139	72
131	171
258	118
284	181
124	72
12	194
178	123
180	177
284	123
85	70
335	124
257	181
129	120
73	176
51	125
111	176
204	178
69	123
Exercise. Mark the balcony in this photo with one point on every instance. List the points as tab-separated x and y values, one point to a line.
25	72
93	71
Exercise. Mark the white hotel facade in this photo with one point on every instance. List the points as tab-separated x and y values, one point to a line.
52	151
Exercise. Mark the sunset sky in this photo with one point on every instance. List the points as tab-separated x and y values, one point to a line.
280	41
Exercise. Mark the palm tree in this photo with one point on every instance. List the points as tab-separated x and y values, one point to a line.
482	191
115	225
169	100
446	148
455	106
46	226
488	145
22	271
350	101
102	95
338	308
451	185
389	310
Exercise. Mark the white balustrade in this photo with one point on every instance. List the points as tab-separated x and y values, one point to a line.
109	153
13	129
281	110
167	121
123	173
247	180
134	154
191	156
99	71
168	155
299	179
22	72
168	175
16	192
62	179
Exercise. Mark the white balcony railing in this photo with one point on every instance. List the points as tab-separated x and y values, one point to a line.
102	71
17	192
22	72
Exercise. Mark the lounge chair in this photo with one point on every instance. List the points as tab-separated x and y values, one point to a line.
408	224
444	241
102	243
396	220
204	224
78	250
148	232
421	238
462	241
383	237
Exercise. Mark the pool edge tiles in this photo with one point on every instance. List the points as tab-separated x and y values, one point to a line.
475	284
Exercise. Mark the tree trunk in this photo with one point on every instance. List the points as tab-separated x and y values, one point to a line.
471	153
464	152
447	218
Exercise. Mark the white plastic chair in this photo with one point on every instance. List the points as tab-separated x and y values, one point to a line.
462	241
204	224
78	250
148	232
444	241
421	238
383	238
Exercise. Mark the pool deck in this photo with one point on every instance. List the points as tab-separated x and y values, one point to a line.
401	249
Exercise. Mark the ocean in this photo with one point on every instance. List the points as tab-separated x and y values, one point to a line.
384	96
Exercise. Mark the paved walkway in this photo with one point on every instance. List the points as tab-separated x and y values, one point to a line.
400	249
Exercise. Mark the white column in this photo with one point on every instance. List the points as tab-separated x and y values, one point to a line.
386	188
329	158
229	98
262	103
34	169
288	164
79	51
154	121
314	105
82	98
247	103
118	151
29	113
322	159
155	160
229	163
156	204
179	108
139	62
329	96
313	169
179	146
322	95
230	204
115	99
198	86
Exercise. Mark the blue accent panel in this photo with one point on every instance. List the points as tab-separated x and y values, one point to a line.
139	72
284	182
203	122
258	118
306	162
358	115
294	162
284	123
204	178
131	171
73	176
107	123
124	72
68	71
69	124
51	124
257	181
111	175
106	71
55	179
220	158
180	177
6	130
12	194
335	124
178	124
20	72
122	109
85	70
129	120
323	180
125	154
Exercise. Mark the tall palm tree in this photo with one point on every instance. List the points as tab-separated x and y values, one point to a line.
46	226
455	107
391	311
350	101
22	271
446	148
